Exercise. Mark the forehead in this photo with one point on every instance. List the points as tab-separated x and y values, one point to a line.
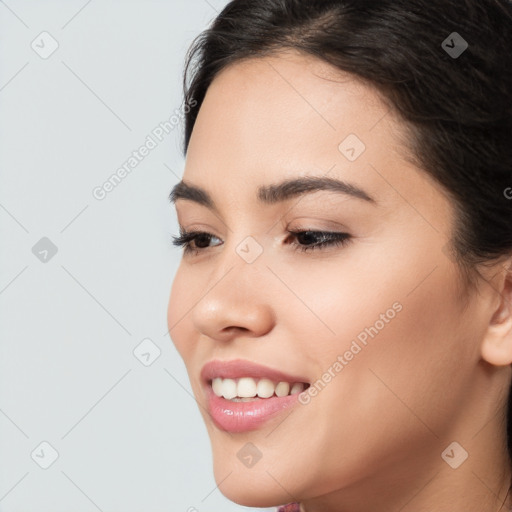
268	119
291	94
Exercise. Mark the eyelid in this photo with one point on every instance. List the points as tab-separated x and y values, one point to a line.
310	222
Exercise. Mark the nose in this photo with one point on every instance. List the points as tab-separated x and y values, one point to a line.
236	301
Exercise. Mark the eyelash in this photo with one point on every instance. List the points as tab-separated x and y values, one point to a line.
329	240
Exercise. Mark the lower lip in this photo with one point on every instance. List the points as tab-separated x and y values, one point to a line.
244	416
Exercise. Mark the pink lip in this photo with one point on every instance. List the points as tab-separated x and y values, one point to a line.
237	368
244	416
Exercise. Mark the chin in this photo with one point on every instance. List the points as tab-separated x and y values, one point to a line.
248	494
249	487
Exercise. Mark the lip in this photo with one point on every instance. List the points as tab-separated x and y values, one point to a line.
245	416
237	368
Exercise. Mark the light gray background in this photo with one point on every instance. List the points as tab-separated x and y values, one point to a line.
70	324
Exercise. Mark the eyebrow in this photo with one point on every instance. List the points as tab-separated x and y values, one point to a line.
275	193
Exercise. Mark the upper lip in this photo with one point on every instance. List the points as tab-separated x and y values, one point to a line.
237	368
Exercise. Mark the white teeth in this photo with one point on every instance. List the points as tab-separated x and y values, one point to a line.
247	389
265	388
282	389
229	388
217	386
298	387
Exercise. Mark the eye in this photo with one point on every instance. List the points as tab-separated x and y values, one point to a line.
327	239
189	239
198	241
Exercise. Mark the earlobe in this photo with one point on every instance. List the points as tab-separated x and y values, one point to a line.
497	343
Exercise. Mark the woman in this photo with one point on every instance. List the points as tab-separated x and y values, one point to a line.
344	302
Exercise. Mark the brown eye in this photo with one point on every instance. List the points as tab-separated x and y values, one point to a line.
193	241
308	240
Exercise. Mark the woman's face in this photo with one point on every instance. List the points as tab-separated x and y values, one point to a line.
375	325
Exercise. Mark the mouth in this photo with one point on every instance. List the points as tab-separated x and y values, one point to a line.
248	389
243	395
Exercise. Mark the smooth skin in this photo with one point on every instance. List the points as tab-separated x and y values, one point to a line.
438	372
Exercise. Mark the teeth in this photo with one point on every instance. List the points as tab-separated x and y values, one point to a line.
298	387
265	388
217	386
247	389
229	388
282	389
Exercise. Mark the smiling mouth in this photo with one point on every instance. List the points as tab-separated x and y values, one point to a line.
249	389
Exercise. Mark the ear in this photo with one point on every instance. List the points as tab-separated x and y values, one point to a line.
497	344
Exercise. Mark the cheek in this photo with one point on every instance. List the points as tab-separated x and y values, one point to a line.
399	332
178	314
400	374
